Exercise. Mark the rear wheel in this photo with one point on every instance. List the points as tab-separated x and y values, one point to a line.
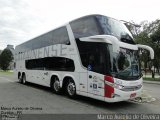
19	77
23	80
71	89
55	85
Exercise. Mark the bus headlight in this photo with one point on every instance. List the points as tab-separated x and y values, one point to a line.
117	86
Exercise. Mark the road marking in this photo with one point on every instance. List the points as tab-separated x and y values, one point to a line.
4	78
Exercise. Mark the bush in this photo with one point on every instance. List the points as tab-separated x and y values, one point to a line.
6	58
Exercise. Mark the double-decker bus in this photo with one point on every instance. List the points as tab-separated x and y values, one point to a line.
93	56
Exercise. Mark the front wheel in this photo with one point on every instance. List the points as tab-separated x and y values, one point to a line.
71	89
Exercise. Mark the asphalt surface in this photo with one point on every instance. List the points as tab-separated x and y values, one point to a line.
153	89
35	99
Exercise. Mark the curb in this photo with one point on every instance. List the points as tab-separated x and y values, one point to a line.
151	82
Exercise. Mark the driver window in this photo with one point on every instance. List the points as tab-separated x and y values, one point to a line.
96	60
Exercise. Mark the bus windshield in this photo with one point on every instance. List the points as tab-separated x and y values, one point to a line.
115	28
125	64
101	25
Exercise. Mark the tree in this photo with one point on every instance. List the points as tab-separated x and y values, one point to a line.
148	34
6	58
133	28
155	36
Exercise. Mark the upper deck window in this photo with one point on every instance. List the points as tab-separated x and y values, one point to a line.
115	28
57	36
101	25
85	27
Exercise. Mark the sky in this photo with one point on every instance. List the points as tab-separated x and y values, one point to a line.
21	20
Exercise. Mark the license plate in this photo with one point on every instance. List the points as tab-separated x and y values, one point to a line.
132	95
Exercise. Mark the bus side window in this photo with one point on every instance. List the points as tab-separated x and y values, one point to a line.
59	64
96	60
91	59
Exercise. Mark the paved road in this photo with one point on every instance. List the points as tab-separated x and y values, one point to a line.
153	89
34	99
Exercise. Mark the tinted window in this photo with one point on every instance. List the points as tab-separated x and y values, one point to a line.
58	36
59	64
51	63
85	27
94	56
115	28
35	64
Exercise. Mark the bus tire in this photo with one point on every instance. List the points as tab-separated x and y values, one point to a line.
71	88
19	77
55	85
23	80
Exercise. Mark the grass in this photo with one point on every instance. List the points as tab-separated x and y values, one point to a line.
8	72
151	79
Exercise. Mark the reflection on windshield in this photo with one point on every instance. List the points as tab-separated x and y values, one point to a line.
116	28
125	65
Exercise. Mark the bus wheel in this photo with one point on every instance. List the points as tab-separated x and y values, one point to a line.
23	81
20	80
56	85
19	77
71	89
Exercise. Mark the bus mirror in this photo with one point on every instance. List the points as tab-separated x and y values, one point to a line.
147	48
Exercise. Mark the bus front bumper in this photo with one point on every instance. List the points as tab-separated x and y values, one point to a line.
120	95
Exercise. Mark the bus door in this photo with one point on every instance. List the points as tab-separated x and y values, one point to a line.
92	57
95	73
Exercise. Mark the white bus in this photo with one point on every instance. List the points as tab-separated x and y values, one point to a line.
93	56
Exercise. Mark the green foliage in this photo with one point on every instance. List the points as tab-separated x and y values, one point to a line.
7	72
151	79
155	41
5	58
148	34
